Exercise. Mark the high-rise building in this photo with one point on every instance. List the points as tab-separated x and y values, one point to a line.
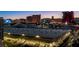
29	19
16	21
68	17
34	19
1	30
22	21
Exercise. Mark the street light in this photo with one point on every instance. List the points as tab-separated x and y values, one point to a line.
37	36
23	34
66	23
9	33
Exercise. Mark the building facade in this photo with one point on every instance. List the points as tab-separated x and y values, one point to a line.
68	17
34	19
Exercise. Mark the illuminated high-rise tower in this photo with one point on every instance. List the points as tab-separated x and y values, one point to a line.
68	17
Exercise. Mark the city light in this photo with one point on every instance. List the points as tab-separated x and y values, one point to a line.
7	21
23	34
66	23
37	36
42	32
9	33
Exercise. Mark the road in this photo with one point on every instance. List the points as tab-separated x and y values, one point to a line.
72	41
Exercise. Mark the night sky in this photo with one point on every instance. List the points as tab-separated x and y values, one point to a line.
24	14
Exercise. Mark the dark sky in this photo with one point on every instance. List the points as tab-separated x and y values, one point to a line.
23	14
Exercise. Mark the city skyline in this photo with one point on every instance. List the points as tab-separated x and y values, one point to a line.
24	14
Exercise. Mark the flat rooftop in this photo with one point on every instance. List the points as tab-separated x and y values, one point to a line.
45	33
